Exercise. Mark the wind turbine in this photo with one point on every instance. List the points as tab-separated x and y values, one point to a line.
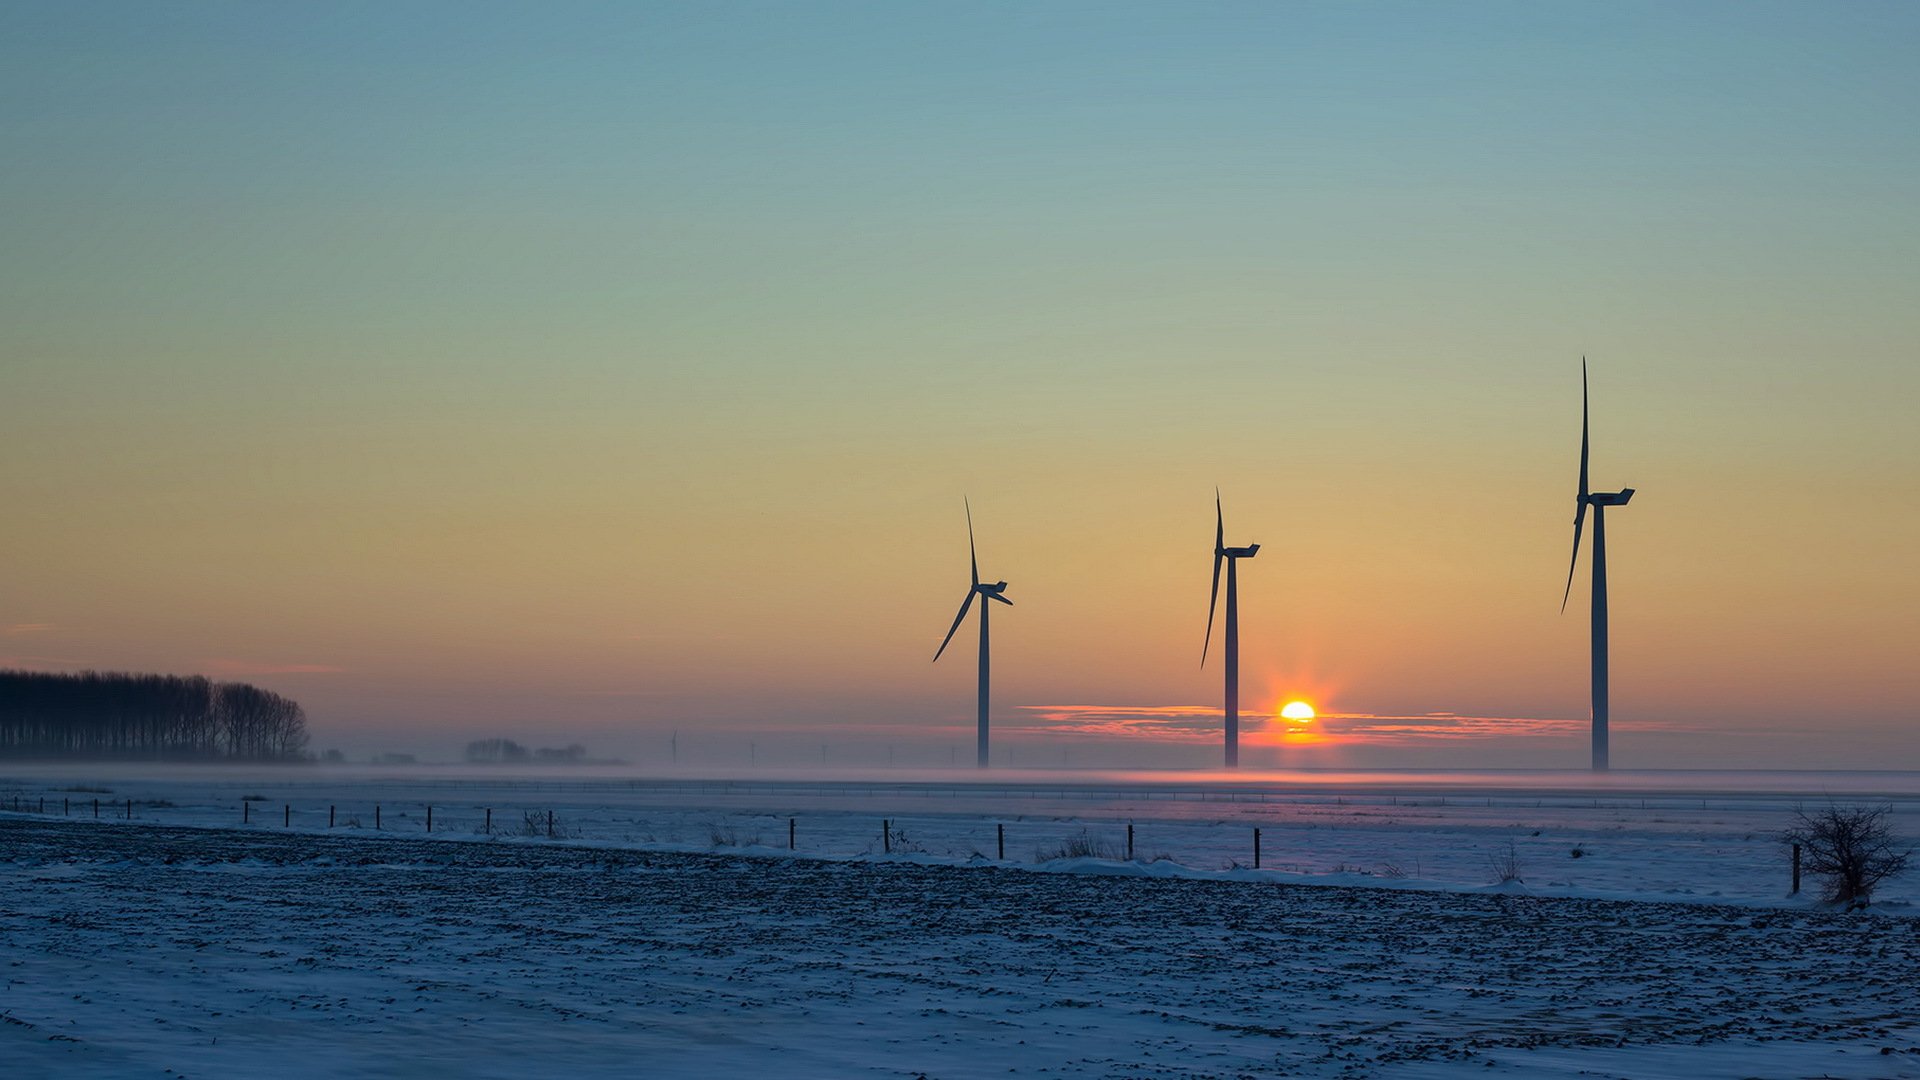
1599	501
995	591
1233	557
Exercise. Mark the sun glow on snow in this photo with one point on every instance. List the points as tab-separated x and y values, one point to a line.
1296	710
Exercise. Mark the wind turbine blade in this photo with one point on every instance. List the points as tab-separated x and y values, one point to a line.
964	605
1219	550
1002	599
973	557
1583	435
1579	522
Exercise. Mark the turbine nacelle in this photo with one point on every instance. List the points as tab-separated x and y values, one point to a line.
994	591
1610	498
1247	552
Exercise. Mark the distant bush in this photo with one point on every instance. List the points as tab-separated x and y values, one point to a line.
1850	846
1080	846
545	823
727	836
1506	865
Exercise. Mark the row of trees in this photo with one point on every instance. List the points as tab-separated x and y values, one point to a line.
508	752
166	717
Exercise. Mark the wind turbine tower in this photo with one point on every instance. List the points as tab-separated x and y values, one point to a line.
995	591
1599	501
1232	556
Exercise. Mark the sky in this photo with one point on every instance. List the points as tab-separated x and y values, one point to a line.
597	372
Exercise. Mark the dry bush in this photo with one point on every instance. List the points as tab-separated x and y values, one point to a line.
1081	846
1850	846
1506	865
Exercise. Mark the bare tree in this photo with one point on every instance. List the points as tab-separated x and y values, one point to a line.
1850	846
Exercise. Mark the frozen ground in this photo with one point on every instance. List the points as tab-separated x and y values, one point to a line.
1699	837
150	950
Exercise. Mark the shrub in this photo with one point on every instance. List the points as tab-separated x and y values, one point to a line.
1850	846
727	836
1506	865
1080	846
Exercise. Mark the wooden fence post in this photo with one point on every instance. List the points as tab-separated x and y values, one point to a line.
790	832
286	815
1000	833
246	809
886	835
129	809
1129	841
429	818
489	824
1796	868
1256	849
376	815
330	810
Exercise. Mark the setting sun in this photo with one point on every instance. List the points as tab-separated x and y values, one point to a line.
1297	710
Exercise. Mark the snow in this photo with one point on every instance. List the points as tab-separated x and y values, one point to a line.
181	941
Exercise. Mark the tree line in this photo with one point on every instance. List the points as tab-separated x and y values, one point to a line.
96	714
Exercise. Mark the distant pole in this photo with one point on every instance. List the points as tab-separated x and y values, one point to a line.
790	831
1129	841
96	808
549	824
1796	868
376	815
330	817
129	809
1256	849
429	818
246	810
489	824
66	810
1000	832
286	815
886	835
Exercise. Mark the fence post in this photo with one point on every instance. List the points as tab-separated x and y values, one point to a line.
129	809
246	810
376	815
549	824
1129	841
429	818
66	809
1000	833
330	810
96	808
286	815
489	825
1796	868
790	831
886	835
1256	849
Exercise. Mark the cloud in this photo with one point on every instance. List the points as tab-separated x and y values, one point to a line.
1201	723
1165	723
241	668
22	629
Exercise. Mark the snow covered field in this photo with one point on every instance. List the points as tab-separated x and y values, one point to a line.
147	950
1700	837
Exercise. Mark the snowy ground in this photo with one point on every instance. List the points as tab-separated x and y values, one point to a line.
1700	837
147	950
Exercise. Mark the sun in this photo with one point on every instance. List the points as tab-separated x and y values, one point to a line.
1297	710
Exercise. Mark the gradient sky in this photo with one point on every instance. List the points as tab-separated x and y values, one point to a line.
598	371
